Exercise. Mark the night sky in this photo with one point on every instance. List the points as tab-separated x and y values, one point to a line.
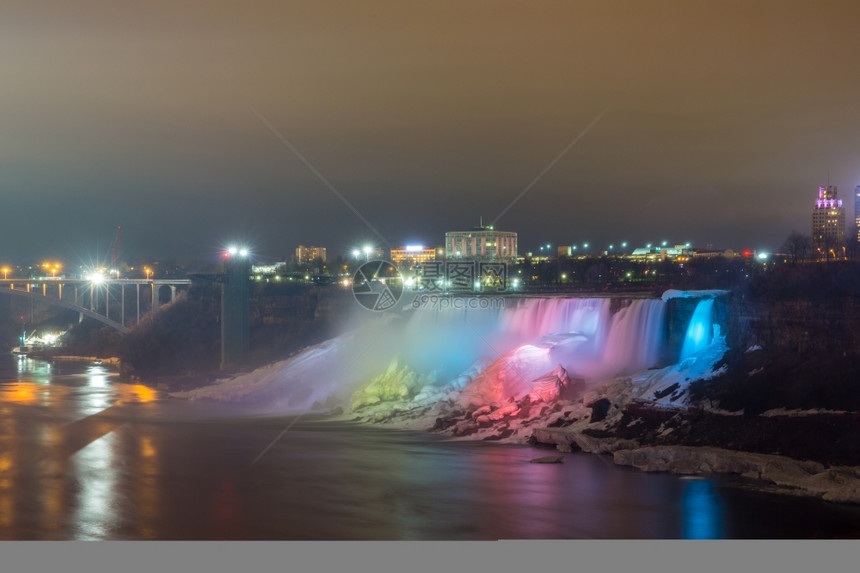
180	121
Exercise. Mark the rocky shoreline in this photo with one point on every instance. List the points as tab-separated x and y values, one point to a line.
684	441
836	483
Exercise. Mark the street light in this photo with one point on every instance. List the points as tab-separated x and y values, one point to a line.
5	273
148	272
52	267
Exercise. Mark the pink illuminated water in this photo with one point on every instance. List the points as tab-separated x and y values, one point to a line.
587	338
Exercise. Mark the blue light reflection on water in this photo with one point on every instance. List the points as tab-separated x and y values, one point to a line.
702	511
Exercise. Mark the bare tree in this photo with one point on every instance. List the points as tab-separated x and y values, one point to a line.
798	246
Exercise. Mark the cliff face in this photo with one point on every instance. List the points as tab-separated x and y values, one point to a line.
798	326
184	337
793	353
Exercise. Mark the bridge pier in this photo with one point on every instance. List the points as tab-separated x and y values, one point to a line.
235	311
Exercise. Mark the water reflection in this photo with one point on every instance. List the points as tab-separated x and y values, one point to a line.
96	377
86	456
94	469
702	510
146	499
32	369
6	490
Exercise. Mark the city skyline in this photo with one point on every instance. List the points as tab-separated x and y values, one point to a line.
338	125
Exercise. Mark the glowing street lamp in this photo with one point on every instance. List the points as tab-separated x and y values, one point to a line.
148	272
233	251
52	267
5	273
367	251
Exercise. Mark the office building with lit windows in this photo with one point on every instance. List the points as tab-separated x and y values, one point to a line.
412	256
309	254
828	224
481	243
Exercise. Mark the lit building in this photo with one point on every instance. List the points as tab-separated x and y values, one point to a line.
369	253
711	253
269	269
309	254
411	256
482	242
857	213
828	224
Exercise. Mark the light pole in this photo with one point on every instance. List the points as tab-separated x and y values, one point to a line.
235	309
5	273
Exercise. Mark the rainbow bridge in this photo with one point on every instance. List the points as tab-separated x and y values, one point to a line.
104	300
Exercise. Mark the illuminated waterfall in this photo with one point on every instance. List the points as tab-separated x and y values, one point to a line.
494	350
700	330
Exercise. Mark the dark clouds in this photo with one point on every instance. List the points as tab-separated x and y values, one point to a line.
723	119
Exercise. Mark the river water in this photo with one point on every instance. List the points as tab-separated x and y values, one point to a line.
85	455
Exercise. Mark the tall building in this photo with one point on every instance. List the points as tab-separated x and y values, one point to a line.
309	254
857	213
828	224
481	243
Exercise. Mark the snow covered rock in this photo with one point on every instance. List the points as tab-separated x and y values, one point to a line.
554	386
396	383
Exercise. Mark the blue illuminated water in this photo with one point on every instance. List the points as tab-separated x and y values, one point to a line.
700	330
